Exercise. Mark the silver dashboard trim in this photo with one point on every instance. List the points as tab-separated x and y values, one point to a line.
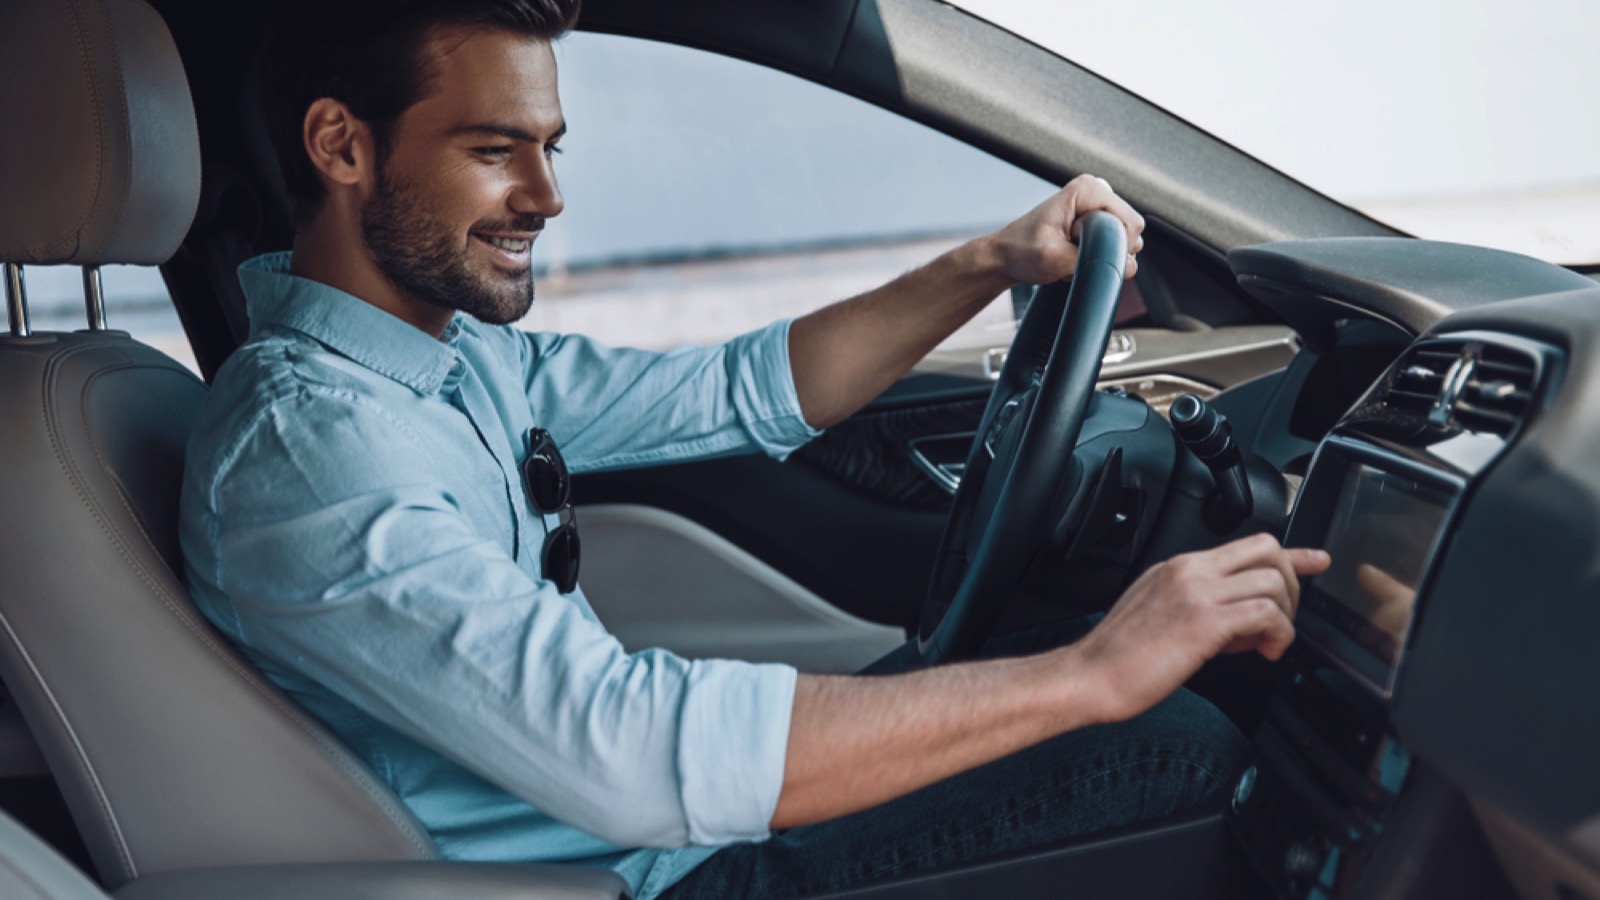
947	476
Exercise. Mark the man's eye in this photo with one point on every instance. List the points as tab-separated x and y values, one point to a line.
552	149
497	151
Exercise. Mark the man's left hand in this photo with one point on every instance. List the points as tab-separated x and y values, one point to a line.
845	354
1040	247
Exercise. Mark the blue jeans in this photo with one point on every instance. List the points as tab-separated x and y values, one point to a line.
1173	757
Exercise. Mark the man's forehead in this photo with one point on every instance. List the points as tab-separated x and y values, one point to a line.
482	74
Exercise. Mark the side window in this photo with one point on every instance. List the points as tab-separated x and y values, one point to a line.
707	196
136	302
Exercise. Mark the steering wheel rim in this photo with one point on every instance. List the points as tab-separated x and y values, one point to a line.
1005	508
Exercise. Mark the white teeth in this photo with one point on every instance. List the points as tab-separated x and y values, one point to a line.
509	244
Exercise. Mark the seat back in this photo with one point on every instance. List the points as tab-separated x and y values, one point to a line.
171	750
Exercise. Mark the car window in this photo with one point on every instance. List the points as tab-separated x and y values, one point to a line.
707	196
1465	121
136	301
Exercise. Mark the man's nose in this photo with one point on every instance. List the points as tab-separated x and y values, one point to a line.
536	190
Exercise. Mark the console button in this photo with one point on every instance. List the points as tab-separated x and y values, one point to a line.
1302	860
1246	786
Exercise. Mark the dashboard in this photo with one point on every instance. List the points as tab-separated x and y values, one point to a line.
1434	730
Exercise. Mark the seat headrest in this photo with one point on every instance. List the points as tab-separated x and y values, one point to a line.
101	157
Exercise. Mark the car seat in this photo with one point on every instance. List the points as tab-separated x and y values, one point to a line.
172	752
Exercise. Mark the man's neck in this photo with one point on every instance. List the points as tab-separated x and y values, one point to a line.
336	256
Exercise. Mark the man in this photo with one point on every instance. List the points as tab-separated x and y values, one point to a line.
374	509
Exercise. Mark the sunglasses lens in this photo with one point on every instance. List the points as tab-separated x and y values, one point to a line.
547	482
546	473
561	553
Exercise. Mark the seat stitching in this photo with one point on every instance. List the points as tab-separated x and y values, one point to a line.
338	754
81	757
75	236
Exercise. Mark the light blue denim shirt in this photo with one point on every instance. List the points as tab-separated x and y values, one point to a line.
354	518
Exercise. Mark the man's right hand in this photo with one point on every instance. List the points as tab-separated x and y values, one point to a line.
1234	598
856	742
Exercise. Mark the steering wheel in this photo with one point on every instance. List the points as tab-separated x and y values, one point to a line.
1009	498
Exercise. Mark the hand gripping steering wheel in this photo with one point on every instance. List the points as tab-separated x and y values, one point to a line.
1010	490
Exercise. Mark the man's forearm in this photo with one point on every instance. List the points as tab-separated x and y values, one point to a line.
857	742
845	354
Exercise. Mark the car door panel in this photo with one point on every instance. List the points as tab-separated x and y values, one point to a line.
853	518
657	579
867	556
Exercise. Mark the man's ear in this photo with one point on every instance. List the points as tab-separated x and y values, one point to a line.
339	144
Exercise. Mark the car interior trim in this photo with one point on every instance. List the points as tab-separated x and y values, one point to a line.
1413	284
660	579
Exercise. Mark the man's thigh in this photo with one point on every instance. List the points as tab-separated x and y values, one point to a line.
1171	758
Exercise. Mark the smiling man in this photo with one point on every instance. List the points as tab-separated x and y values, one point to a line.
376	510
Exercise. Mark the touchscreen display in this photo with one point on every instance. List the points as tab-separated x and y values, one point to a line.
1382	528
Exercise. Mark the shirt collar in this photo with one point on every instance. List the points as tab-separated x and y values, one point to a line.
348	325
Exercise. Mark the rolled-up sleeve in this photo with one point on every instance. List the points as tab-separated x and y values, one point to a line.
343	559
692	402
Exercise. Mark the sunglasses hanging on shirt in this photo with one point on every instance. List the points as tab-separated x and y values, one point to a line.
544	474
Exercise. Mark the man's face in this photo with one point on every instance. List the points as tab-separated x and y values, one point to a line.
468	182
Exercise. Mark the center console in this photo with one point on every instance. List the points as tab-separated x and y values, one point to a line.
1380	496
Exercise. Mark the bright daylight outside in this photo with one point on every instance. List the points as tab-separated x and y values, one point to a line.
1455	120
706	196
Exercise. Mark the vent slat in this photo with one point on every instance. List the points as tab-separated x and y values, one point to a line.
1522	372
1501	420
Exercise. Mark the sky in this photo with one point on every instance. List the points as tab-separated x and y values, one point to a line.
1363	99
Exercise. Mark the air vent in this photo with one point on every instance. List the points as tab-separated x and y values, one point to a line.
1419	378
1499	393
1474	385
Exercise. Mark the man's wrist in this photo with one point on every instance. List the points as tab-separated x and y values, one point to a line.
982	260
1077	696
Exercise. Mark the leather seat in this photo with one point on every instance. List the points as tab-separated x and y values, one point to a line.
31	870
171	751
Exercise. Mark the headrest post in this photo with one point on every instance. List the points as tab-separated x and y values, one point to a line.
94	297
16	301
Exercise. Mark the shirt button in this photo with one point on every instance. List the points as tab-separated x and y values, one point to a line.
455	367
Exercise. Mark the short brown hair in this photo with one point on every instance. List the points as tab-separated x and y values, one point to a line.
367	54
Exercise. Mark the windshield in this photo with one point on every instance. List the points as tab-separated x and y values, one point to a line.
1460	120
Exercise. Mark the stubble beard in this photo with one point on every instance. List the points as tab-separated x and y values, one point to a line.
421	256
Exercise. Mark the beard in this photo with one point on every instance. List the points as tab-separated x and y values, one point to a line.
422	257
